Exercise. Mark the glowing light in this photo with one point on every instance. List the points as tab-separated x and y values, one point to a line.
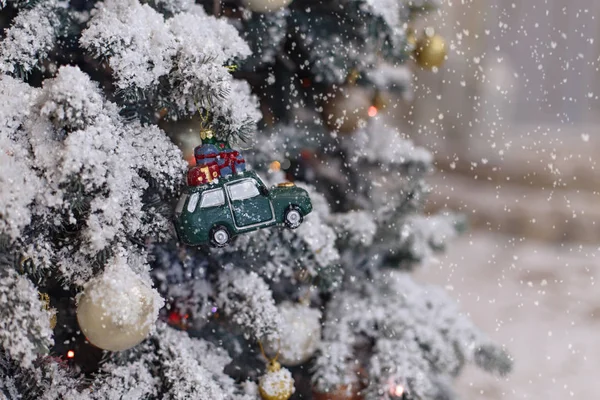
214	310
70	354
275	166
372	111
398	390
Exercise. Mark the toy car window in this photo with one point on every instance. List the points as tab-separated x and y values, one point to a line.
243	190
181	203
212	198
193	202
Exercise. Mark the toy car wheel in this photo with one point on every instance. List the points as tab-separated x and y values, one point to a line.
293	217
219	236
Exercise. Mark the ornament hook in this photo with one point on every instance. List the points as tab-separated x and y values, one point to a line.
271	361
205	130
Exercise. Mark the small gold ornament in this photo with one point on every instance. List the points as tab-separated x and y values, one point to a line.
430	51
277	383
206	133
46	300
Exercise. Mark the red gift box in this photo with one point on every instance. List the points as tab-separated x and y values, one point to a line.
230	159
200	175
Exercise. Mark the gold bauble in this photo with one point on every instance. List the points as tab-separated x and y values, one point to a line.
346	108
277	383
430	51
117	309
300	334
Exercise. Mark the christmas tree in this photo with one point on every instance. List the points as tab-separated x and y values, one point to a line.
102	300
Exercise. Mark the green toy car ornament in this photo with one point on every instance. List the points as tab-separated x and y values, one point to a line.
217	211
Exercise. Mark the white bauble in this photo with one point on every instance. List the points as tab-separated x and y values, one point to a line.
117	309
265	6
300	334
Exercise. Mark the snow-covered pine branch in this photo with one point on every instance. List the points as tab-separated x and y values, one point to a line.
81	168
183	280
420	337
168	365
170	7
25	332
422	236
248	301
47	379
354	228
384	146
335	364
30	38
19	184
190	368
178	63
130	376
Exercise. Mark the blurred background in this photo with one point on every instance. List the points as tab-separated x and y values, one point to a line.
512	118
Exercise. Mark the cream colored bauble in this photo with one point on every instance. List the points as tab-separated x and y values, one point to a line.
266	6
300	334
277	383
117	309
346	108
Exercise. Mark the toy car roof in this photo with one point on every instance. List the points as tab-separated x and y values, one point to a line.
219	182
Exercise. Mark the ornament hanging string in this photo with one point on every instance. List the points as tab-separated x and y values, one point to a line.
262	350
305	298
352	76
205	130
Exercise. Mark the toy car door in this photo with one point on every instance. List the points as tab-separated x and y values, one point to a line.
248	205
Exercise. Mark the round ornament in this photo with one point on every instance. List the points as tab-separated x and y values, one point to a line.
117	309
266	6
300	334
277	383
347	108
430	51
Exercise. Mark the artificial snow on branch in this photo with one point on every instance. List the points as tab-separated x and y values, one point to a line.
419	337
91	172
183	281
25	332
248	301
178	63
30	38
